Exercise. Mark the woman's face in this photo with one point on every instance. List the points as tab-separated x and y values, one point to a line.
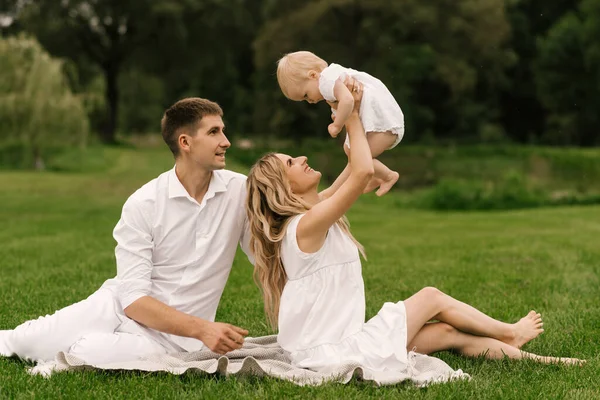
302	177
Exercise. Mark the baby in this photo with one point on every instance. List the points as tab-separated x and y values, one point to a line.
304	76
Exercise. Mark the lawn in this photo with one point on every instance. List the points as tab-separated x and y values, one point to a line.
57	248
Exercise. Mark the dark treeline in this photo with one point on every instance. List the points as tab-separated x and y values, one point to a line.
463	70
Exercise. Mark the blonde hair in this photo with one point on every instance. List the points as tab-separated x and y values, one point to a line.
270	206
292	69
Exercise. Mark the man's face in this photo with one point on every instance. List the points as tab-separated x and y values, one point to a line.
207	147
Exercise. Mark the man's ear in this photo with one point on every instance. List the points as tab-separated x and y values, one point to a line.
183	141
312	74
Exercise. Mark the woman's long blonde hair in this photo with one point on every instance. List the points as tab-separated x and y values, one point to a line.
270	206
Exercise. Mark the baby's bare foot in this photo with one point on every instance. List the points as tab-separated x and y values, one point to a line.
386	185
529	327
372	185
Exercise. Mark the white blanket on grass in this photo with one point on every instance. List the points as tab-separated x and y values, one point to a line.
262	356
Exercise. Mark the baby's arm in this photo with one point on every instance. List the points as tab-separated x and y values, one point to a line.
344	108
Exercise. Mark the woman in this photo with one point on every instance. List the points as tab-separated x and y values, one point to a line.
308	268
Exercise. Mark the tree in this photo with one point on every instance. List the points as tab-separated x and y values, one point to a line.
568	76
195	47
441	60
37	108
522	113
106	33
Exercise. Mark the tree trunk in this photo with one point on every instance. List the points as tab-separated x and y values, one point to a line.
108	134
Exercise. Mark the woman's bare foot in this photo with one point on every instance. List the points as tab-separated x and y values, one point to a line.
529	327
560	360
386	185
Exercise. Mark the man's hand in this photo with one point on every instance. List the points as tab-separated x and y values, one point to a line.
222	338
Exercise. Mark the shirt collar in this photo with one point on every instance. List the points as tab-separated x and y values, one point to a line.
176	189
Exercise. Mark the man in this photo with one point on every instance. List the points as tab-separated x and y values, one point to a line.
176	241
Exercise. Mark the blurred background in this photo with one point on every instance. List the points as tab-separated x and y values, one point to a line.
501	97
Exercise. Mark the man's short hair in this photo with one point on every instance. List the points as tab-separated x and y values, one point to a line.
185	114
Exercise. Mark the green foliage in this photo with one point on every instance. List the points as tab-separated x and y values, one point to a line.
466	71
37	108
423	52
568	76
512	192
480	177
141	105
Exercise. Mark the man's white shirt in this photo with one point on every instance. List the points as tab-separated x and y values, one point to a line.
178	251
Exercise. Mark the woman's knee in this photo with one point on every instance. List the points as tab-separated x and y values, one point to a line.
452	337
431	292
433	296
446	329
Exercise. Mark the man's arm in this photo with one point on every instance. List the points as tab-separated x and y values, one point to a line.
219	337
134	271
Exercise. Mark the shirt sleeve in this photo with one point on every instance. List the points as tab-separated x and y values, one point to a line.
133	253
327	81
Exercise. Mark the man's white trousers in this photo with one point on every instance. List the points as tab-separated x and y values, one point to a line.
87	330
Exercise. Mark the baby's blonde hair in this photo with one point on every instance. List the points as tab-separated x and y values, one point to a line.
292	69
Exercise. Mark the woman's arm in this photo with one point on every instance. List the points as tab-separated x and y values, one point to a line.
312	228
345	106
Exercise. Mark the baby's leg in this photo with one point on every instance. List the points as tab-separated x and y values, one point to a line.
378	143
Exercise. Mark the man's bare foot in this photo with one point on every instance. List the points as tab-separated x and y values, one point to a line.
529	327
386	185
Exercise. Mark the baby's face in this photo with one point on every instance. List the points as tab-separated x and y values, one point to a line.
311	91
308	91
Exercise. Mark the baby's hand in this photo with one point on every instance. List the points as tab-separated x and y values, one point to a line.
334	130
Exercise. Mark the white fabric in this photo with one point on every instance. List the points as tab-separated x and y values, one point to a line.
177	251
168	247
102	348
379	111
5	351
88	329
262	356
322	310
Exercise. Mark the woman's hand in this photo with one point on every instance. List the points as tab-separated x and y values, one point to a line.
356	88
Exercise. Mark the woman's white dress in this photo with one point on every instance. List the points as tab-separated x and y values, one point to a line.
379	111
322	310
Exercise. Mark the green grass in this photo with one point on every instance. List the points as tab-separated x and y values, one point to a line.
57	248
